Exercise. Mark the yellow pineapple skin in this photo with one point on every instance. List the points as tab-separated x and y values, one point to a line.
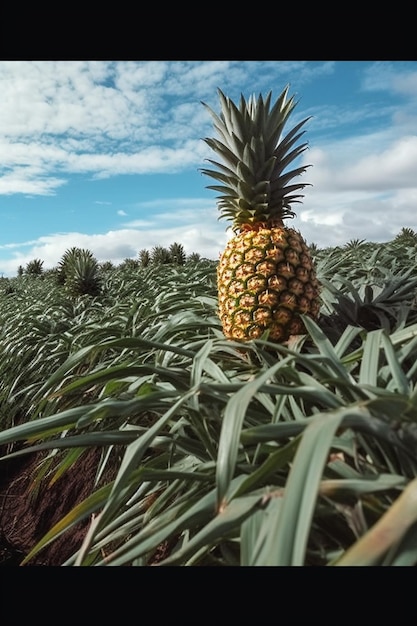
265	279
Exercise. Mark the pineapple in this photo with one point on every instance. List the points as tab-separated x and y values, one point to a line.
265	275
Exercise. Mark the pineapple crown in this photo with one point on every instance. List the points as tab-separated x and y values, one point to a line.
254	177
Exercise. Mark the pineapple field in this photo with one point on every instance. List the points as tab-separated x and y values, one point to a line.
133	432
256	410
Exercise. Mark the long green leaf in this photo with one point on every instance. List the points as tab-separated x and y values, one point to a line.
289	527
233	419
368	373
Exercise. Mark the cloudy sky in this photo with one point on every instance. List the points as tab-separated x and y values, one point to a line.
106	155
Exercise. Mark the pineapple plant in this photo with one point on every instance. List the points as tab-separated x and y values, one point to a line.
79	271
34	268
144	257
178	256
160	255
64	264
266	277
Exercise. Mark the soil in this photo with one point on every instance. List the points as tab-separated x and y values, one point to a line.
25	516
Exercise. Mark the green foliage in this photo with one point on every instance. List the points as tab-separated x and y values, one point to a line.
144	257
177	253
106	266
229	453
64	264
406	237
160	255
79	271
84	277
194	257
129	265
34	267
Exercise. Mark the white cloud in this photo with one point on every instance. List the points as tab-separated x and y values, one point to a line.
359	191
333	218
116	245
74	117
29	181
395	167
399	77
378	161
152	159
93	116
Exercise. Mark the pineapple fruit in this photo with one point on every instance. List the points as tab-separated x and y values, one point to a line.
265	275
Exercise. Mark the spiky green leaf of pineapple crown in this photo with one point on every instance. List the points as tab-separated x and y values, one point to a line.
254	179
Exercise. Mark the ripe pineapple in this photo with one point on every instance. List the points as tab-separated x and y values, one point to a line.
265	275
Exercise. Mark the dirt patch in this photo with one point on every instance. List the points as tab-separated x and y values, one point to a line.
25	516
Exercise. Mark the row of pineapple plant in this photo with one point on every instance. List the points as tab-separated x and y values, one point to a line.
82	262
255	453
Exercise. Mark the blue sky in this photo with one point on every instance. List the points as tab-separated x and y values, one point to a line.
106	155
